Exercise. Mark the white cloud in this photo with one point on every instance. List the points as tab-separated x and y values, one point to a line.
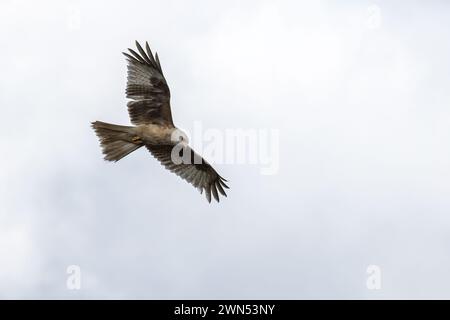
363	168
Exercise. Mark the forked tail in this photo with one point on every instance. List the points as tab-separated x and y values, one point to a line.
116	141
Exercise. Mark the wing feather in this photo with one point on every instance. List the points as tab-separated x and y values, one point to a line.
201	175
208	192
219	187
147	88
150	54
143	54
214	191
136	56
157	62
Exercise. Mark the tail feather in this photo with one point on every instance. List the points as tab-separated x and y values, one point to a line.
116	141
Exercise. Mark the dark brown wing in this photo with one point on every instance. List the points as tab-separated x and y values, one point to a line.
148	88
193	168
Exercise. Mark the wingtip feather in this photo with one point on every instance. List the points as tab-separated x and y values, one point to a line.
208	193
214	192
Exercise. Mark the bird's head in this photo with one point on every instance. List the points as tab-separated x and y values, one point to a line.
178	136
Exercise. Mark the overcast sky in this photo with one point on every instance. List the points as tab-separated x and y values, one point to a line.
358	93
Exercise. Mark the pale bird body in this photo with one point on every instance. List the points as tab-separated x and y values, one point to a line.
155	134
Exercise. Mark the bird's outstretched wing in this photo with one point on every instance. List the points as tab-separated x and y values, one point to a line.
194	169
148	88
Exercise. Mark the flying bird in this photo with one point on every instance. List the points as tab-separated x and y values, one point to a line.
149	111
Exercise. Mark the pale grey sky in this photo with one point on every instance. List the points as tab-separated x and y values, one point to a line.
358	93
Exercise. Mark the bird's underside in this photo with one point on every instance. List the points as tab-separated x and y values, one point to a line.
150	112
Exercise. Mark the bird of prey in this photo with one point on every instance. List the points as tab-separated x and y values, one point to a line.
149	111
